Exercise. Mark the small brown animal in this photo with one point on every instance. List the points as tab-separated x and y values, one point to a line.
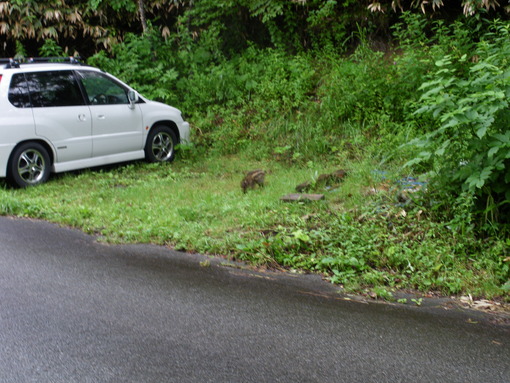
252	179
329	179
323	179
338	174
304	187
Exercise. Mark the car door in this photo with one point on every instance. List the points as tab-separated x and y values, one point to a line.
61	114
116	128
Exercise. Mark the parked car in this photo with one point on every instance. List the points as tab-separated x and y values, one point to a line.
61	116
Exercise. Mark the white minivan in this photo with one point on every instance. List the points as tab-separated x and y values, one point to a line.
60	116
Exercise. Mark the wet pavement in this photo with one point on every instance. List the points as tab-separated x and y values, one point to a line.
74	310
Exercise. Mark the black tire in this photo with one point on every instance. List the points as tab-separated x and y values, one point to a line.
160	146
29	165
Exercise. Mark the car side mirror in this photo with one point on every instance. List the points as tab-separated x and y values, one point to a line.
133	99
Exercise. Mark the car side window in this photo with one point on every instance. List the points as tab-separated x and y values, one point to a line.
102	90
54	88
18	91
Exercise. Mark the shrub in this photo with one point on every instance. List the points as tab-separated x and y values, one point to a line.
466	102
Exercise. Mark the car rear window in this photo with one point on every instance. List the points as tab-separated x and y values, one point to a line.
18	91
54	88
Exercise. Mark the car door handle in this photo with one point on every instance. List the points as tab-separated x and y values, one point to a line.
82	117
101	116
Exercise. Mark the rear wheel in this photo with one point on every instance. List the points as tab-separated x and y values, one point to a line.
160	146
29	165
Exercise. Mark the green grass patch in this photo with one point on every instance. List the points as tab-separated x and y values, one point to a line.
363	234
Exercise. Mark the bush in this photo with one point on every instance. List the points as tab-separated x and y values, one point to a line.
467	146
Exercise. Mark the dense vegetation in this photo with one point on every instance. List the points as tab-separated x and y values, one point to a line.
414	106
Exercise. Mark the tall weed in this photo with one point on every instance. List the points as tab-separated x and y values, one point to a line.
466	102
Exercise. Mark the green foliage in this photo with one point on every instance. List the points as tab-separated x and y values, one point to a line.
20	50
466	101
83	26
50	48
360	90
328	31
292	26
144	62
468	8
308	103
117	5
89	26
350	250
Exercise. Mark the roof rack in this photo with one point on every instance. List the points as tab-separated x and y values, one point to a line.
10	63
15	62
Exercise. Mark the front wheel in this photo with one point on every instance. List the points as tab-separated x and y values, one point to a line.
160	146
29	165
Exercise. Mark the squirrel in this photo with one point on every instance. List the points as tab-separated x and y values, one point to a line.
252	179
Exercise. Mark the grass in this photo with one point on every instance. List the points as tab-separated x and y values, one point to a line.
164	204
361	236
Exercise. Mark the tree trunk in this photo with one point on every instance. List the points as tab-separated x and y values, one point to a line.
143	20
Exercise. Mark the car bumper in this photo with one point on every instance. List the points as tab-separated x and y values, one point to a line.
184	133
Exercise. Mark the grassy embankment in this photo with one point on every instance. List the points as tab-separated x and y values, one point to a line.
361	235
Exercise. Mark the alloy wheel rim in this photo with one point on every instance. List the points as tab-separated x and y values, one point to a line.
162	146
31	166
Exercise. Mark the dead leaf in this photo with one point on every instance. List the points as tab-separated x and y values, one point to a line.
401	213
468	300
485	305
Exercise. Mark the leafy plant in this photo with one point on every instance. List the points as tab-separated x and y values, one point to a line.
51	49
143	61
466	102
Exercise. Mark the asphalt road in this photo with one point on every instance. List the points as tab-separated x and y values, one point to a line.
74	310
